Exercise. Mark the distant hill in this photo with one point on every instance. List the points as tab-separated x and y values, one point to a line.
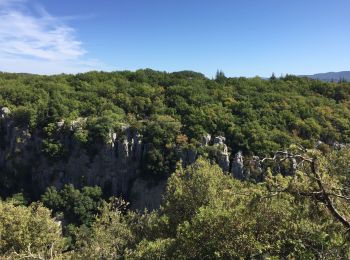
331	76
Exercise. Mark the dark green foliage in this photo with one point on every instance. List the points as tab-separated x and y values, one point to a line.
78	207
205	214
256	115
209	215
52	144
161	133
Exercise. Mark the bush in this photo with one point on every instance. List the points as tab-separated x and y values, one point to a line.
24	229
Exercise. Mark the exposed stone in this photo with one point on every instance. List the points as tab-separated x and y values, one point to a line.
237	168
78	123
188	156
123	148
338	146
206	139
60	124
223	156
114	166
294	165
15	143
4	112
224	160
146	195
113	138
191	156
257	164
318	143
219	140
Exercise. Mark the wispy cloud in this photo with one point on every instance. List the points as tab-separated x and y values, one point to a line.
38	42
9	2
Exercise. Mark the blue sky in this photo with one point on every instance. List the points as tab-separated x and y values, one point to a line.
242	38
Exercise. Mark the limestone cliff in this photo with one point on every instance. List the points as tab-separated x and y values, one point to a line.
115	166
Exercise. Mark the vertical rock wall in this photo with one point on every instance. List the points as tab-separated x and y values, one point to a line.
115	165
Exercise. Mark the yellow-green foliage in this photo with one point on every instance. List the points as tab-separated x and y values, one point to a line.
29	229
212	216
108	237
205	215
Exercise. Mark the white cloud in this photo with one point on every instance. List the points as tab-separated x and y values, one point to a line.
27	65
38	42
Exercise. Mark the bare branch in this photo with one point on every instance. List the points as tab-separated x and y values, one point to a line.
320	195
327	200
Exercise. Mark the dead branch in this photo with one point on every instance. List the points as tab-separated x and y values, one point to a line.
321	194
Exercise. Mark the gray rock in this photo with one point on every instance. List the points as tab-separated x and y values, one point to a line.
146	195
257	164
188	156
224	160
338	146
318	143
60	124
219	140
206	139
123	148
137	147
237	169
223	156
78	123
113	165
4	112
294	165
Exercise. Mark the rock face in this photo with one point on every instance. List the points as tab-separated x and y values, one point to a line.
206	139
115	166
13	141
219	140
223	156
238	166
294	165
188	157
4	112
146	195
224	159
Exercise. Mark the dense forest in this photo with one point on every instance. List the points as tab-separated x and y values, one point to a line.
294	205
256	115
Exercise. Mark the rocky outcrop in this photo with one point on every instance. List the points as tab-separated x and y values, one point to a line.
13	141
206	139
114	165
223	156
224	159
237	166
4	112
219	140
